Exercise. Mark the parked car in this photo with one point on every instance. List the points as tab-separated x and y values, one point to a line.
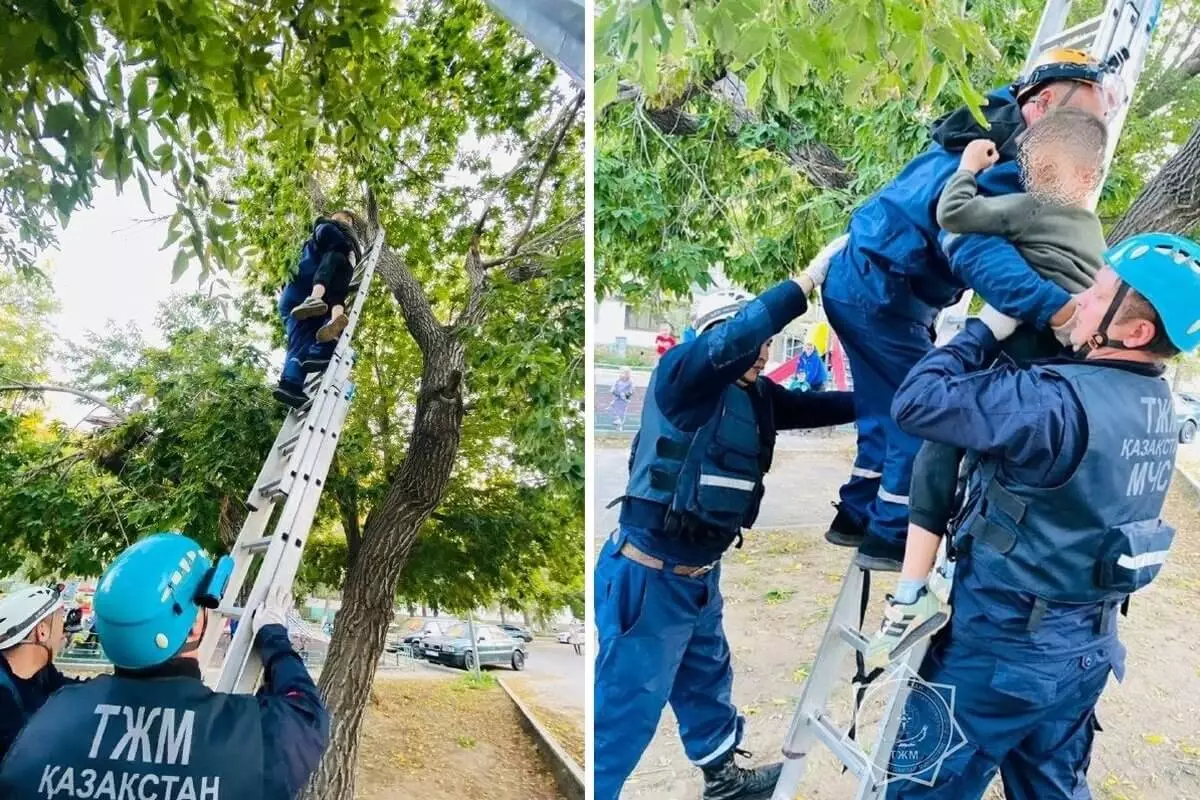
1187	415
493	646
516	631
412	632
564	636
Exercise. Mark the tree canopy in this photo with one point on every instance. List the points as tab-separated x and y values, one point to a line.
690	173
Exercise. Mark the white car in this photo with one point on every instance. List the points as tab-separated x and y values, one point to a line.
564	637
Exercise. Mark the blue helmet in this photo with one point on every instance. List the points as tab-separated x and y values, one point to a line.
1165	269
147	599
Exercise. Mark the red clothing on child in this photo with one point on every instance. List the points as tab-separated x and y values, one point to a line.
664	342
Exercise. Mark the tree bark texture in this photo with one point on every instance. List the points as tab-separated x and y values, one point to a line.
387	537
1170	202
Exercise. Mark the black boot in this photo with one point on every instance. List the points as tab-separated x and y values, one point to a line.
725	780
846	530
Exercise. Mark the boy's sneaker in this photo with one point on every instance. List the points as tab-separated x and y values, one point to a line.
290	395
904	625
846	530
880	555
333	329
311	307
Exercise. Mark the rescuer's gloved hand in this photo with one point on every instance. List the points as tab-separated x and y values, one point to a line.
274	609
1000	325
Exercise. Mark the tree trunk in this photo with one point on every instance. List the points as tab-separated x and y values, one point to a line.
528	621
388	536
502	619
1170	203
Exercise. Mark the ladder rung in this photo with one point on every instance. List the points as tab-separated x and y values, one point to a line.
257	545
234	612
272	489
288	445
854	759
1076	34
853	638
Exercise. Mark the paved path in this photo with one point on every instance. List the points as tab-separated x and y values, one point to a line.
800	485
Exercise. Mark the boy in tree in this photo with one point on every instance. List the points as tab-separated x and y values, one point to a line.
1062	163
323	278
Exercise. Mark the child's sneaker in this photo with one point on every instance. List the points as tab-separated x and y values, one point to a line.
311	307
904	625
333	329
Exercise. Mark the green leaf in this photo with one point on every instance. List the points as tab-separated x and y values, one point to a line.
780	86
59	119
141	142
937	81
112	82
754	85
648	62
605	91
753	40
857	82
145	187
180	266
905	18
139	95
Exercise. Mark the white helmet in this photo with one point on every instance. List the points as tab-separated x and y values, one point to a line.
717	307
22	610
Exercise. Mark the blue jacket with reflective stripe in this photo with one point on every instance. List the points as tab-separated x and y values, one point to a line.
896	259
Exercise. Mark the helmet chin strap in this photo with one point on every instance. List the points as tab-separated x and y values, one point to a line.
1101	338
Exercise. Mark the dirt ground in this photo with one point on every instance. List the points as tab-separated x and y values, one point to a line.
780	587
448	737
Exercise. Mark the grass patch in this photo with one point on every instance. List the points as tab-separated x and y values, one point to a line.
777	596
470	682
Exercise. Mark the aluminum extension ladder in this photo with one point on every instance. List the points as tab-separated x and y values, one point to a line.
1124	30
294	472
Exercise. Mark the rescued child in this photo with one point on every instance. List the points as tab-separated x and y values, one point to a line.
1061	158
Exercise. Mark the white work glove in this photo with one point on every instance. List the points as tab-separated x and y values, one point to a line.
818	268
1063	332
1001	326
274	609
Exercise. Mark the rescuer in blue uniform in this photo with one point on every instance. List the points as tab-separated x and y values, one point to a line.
1061	524
696	480
34	628
888	284
153	729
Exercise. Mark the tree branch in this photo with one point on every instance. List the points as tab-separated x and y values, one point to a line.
816	161
409	294
38	388
1170	202
567	120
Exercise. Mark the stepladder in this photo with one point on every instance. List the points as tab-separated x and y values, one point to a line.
283	501
1118	36
887	687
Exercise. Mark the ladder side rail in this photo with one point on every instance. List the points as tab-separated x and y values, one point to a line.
242	640
242	675
1054	20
